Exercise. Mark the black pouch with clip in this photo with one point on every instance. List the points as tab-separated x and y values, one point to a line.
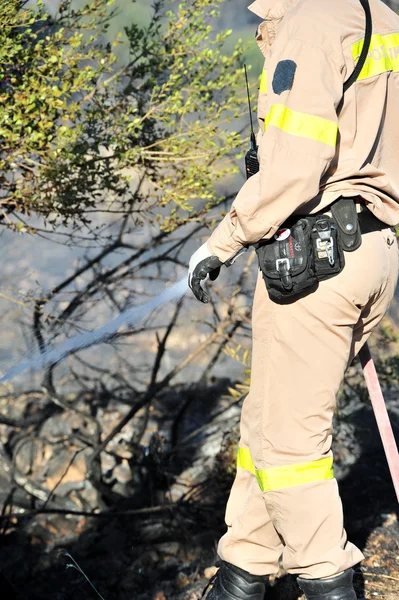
286	260
347	219
299	256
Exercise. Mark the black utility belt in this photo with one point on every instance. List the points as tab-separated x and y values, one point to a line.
310	249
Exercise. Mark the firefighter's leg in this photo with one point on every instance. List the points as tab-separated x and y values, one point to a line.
251	541
300	352
375	310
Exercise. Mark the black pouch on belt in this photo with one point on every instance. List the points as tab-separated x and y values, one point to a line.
347	219
300	255
309	250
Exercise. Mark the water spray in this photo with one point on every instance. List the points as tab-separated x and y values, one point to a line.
129	317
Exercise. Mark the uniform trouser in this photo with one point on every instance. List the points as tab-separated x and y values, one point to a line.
284	507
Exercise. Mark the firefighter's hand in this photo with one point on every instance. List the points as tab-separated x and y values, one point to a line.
202	265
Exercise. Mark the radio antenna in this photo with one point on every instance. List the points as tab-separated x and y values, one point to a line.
253	138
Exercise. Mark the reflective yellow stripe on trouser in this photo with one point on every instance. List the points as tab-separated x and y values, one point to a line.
302	124
383	55
277	478
263	82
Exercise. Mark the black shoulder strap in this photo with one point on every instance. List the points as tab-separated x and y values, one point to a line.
366	46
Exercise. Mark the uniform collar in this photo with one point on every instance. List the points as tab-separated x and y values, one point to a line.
271	9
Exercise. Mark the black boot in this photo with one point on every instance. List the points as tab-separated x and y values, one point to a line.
339	587
233	583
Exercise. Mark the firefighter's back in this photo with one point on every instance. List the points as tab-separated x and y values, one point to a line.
366	161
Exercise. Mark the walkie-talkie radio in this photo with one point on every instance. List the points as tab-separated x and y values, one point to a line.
251	157
251	163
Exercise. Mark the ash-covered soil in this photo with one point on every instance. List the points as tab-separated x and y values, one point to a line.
156	538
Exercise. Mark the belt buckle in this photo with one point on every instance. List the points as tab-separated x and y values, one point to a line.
282	261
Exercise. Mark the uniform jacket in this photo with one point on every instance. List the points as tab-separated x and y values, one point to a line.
315	143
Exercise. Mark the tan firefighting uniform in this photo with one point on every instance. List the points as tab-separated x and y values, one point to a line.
314	146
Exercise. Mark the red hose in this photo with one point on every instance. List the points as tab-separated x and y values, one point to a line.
381	415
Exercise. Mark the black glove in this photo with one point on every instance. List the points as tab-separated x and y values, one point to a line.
202	265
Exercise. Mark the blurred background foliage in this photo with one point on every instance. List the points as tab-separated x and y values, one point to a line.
74	118
233	16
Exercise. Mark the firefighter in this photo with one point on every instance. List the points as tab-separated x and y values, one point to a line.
316	145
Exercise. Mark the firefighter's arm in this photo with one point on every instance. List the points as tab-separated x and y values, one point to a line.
296	149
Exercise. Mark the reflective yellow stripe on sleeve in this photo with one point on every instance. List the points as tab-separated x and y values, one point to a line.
277	478
302	125
383	55
263	82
